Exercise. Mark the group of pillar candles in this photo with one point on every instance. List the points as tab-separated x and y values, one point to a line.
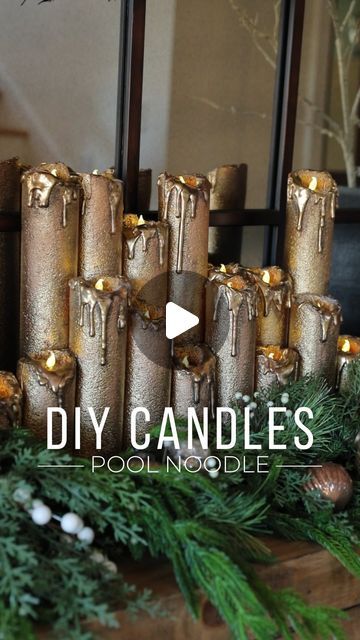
94	285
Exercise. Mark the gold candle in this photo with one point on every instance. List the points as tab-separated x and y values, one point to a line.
313	333
10	401
184	203
275	287
49	256
145	256
227	191
193	380
231	303
275	366
348	351
47	379
309	230
101	225
148	367
98	331
10	176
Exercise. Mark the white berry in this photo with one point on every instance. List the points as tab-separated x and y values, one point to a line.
256	394
211	463
246	399
41	514
86	535
252	405
285	398
270	403
288	413
213	473
22	494
238	395
71	523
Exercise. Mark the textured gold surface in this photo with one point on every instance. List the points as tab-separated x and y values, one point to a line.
10	401
314	331
145	259
225	192
274	305
10	188
144	189
344	358
147	383
42	389
186	208
98	332
275	366
231	307
193	380
100	248
309	230
333	482
49	256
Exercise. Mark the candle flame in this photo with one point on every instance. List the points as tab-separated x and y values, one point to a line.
140	221
313	184
51	361
182	179
346	346
266	277
99	285
272	355
186	362
222	268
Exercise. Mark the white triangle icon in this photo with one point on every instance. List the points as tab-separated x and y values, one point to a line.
178	320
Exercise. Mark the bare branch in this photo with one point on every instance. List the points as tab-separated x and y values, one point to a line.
331	122
348	15
258	36
323	130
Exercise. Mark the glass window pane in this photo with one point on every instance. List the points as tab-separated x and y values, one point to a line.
58	74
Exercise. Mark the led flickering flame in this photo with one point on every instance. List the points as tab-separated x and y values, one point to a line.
313	184
222	268
99	285
182	179
266	277
346	346
186	362
51	361
272	355
140	221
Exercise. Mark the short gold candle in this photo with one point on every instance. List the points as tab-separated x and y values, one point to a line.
275	366
148	367
314	331
49	256
47	379
10	188
311	201
101	225
184	203
348	351
10	401
193	380
98	333
231	302
145	257
274	305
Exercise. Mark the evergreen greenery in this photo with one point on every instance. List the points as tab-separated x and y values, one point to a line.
208	528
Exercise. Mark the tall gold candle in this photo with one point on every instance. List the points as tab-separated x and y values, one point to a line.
145	257
193	380
310	214
148	367
98	333
49	256
275	366
184	203
274	305
47	379
10	187
231	303
101	225
10	401
313	333
348	351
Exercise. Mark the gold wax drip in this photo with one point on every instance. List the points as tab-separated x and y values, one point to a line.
186	192
199	362
329	312
235	298
275	287
282	363
303	189
115	194
100	297
54	376
41	180
145	233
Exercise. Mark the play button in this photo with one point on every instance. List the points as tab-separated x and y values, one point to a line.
178	320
